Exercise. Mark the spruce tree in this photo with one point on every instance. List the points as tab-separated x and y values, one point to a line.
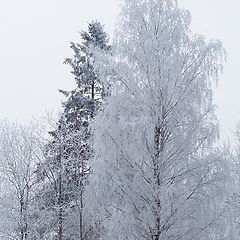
65	170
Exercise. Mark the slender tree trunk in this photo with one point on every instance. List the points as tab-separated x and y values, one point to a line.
81	216
21	215
60	213
26	213
157	148
93	96
160	136
81	196
93	93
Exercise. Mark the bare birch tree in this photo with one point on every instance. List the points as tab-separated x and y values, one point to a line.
155	175
19	153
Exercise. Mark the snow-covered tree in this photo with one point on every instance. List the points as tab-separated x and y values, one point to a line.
154	174
232	153
20	150
84	101
65	170
61	177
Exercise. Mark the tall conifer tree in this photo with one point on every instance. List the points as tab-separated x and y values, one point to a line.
65	170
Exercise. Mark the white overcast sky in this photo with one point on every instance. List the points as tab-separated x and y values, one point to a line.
35	36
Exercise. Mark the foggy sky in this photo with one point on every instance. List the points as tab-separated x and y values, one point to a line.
35	37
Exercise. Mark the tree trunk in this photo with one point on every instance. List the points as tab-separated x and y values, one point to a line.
81	201
93	96
60	214
157	149
81	216
21	216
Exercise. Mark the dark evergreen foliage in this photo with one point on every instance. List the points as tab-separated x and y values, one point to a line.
65	170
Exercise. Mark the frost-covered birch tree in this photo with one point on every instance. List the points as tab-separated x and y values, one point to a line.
20	150
155	175
233	158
